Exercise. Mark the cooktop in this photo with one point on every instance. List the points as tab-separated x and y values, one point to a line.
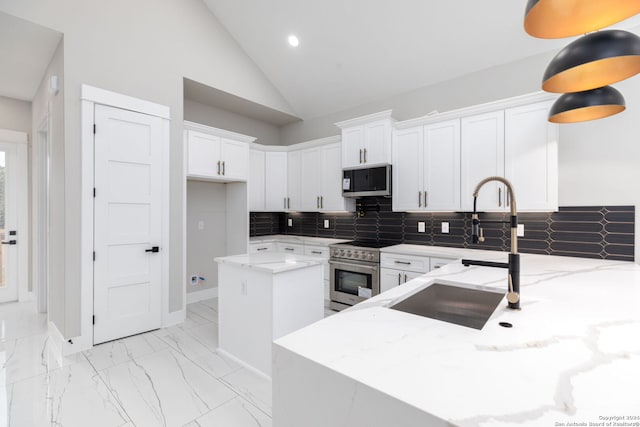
374	244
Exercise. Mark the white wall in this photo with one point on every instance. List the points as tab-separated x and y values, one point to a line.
46	103
144	49
266	133
15	114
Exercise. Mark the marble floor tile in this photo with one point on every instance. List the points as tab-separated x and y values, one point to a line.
216	364
18	320
204	310
254	388
193	342
71	396
235	413
30	356
212	302
164	389
112	353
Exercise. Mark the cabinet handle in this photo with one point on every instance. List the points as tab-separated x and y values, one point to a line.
218	167
500	197
399	278
316	252
419	199
402	262
318	202
361	155
405	278
508	198
365	155
321	202
223	168
285	202
288	203
435	267
289	249
262	249
426	194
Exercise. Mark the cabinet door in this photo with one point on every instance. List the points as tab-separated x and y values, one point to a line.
410	275
390	278
257	181
352	146
377	143
331	179
235	158
203	154
442	166
310	178
294	181
531	156
275	181
483	156
407	169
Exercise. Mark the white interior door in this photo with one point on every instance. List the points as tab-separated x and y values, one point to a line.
127	223
9	233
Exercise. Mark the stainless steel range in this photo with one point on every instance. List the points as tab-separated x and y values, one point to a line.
355	271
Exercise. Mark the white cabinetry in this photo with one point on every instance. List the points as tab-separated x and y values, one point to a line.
531	156
318	176
323	253
256	181
519	144
483	156
397	269
216	154
426	172
294	183
366	140
275	181
255	248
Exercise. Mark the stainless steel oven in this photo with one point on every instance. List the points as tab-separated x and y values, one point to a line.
353	282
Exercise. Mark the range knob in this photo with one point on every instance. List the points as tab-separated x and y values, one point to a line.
356	255
341	252
370	256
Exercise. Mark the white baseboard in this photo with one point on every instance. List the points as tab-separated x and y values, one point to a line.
243	364
63	347
174	318
202	295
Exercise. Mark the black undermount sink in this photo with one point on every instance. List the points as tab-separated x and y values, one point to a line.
452	304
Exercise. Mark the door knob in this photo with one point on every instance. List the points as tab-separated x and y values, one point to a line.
154	249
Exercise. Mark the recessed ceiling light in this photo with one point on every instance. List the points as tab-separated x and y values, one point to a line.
293	41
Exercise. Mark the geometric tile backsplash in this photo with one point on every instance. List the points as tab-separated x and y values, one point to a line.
605	232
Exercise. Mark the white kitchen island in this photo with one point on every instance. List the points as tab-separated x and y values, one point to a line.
572	355
262	297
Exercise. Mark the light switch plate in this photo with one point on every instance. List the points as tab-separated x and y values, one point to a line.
445	228
326	223
289	222
520	230
421	226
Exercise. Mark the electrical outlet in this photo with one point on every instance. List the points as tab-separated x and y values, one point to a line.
445	228
520	230
194	280
326	223
200	225
289	222
421	227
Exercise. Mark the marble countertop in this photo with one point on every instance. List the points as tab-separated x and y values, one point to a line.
444	252
303	240
271	262
573	353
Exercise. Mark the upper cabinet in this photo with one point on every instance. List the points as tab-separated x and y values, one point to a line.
366	141
256	181
426	167
267	179
319	176
216	154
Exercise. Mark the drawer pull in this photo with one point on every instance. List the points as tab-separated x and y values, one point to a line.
289	249
403	262
262	249
316	252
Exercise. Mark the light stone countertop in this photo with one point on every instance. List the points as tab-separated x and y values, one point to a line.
302	240
572	355
271	262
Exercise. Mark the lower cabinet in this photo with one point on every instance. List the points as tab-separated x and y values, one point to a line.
255	248
321	252
390	278
397	269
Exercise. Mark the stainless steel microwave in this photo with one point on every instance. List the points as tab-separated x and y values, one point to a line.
371	181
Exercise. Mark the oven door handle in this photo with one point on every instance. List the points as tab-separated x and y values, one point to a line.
355	265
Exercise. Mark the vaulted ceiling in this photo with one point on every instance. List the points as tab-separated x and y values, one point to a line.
355	51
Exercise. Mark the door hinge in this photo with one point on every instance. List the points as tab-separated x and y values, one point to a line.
94	319
94	255
94	128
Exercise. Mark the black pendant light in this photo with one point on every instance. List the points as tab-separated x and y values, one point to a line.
588	105
551	19
595	60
